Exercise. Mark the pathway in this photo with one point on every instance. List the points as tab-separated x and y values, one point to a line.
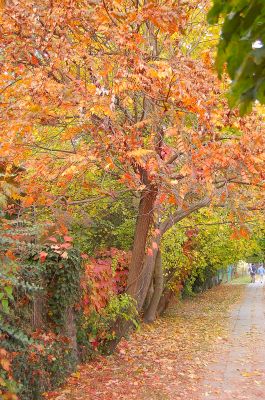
239	369
163	361
169	360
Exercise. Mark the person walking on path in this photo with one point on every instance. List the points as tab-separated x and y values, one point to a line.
252	270
261	272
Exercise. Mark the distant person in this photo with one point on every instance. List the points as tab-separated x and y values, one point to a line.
261	272
252	271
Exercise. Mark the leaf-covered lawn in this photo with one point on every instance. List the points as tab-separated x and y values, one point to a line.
163	361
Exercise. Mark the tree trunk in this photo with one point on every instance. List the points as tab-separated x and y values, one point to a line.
164	300
70	331
138	285
150	314
142	266
38	311
148	296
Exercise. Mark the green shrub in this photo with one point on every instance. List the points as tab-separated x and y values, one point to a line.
99	328
41	367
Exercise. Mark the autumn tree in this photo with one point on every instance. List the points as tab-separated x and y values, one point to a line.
105	87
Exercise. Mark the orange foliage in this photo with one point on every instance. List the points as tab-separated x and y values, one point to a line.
95	75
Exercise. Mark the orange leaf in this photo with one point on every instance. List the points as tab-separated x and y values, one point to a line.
28	201
10	255
172	199
5	363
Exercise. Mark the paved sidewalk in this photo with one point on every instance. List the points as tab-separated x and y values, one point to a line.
239	368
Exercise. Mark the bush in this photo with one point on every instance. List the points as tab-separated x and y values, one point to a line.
99	327
42	366
54	292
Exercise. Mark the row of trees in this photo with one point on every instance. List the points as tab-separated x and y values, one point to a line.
61	305
115	132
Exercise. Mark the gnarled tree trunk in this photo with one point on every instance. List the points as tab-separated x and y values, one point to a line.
150	313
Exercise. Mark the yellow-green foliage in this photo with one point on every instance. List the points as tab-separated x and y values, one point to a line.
205	243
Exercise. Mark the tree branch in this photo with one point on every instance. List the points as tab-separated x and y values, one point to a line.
181	214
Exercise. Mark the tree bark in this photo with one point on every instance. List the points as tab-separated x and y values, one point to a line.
142	266
150	314
137	283
183	213
70	331
38	311
148	296
149	265
164	300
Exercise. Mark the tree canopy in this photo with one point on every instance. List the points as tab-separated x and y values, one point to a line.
118	147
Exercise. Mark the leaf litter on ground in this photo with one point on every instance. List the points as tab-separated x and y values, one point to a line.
162	361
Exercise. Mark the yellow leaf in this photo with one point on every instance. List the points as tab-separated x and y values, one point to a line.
153	73
139	153
76	375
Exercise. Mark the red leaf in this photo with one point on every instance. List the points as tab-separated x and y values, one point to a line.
34	60
172	199
10	255
43	256
28	201
66	245
162	198
84	256
68	239
52	239
149	251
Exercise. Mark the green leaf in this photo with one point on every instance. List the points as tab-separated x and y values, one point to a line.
5	306
214	13
9	290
